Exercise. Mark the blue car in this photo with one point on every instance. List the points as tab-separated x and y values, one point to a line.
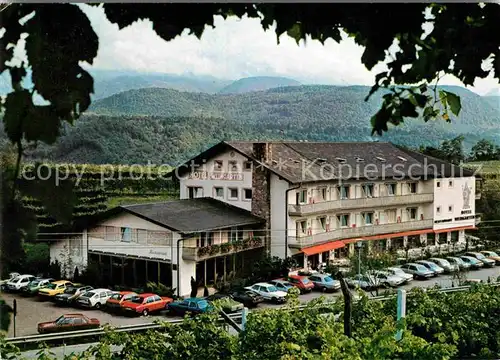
190	305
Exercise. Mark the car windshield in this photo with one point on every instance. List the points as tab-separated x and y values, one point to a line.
88	294
202	304
305	281
492	253
116	296
327	279
397	271
421	268
480	256
35	283
272	289
445	262
60	320
51	286
70	291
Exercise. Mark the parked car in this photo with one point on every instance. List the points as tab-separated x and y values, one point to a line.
68	322
418	271
115	302
18	282
385	278
492	255
35	285
71	294
248	298
399	272
12	276
95	298
436	269
269	292
363	282
54	288
226	302
281	284
445	264
459	262
474	263
146	303
324	282
487	262
190	305
301	282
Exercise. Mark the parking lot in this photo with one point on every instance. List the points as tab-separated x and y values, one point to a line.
31	311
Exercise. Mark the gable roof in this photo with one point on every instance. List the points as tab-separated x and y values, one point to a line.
302	162
193	215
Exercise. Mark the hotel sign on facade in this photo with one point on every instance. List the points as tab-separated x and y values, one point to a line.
205	175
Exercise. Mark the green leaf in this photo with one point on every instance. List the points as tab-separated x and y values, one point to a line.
454	102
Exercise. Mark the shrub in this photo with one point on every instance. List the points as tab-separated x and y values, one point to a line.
160	289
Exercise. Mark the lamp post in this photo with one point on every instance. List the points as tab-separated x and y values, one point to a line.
359	245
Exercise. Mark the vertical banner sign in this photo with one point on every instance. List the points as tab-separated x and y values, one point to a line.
15	314
244	318
401	310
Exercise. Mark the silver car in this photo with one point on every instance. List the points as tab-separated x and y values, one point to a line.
324	282
364	282
387	279
418	271
445	264
437	270
462	265
398	272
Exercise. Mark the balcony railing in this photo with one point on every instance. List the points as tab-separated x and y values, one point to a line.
373	202
349	233
207	252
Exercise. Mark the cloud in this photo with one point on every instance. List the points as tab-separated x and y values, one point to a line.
235	49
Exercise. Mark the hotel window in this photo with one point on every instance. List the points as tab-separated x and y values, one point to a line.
450	208
233	166
343	192
126	234
368	218
219	192
391	216
322	222
412	213
438	210
236	234
195	192
343	220
247	166
206	239
218	164
302	227
391	189
247	193
322	193
233	194
368	190
301	197
412	187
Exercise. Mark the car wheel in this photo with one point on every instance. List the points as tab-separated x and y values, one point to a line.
145	312
97	305
274	300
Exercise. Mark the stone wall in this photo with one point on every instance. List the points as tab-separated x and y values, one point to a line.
261	198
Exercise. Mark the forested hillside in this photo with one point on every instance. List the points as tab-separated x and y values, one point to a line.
165	126
257	83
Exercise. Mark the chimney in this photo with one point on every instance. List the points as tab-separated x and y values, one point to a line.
263	152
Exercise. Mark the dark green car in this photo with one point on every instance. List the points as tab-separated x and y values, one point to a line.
32	288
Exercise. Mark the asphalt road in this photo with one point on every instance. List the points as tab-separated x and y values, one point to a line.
32	311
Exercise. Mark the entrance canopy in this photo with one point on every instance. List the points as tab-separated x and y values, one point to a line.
333	245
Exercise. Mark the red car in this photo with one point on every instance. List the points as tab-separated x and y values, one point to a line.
68	322
146	303
116	300
301	282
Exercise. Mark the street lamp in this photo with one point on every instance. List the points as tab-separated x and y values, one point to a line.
359	245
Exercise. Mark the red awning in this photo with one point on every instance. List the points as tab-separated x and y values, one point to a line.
388	236
470	227
332	245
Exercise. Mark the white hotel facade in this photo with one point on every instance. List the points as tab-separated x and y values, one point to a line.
312	201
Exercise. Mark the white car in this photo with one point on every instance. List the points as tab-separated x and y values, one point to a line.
388	279
269	292
18	282
12	276
399	272
95	298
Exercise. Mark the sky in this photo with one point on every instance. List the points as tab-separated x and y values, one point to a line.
236	49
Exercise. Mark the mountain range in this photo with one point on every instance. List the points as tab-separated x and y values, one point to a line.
163	125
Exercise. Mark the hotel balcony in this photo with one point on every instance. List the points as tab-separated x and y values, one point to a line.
355	232
228	248
359	203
